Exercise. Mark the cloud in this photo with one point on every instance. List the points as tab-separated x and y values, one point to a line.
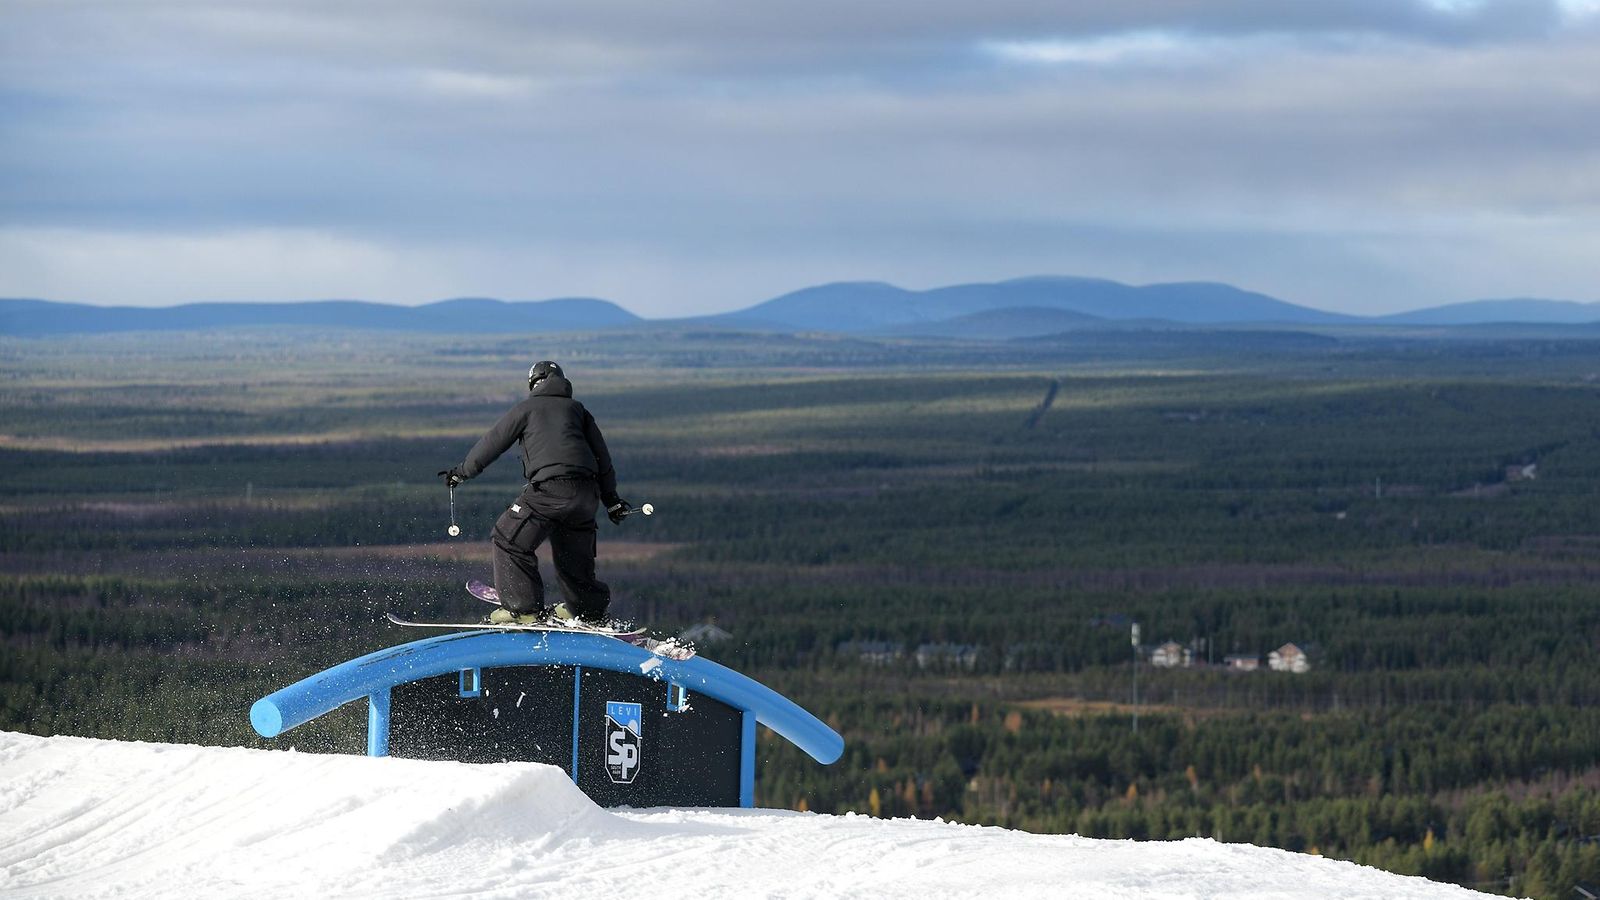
468	85
165	268
707	154
1129	47
627	38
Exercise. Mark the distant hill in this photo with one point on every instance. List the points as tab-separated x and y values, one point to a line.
1019	308
1000	324
873	306
1520	310
464	315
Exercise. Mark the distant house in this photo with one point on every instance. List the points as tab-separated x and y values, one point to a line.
878	653
1243	662
1171	655
952	656
705	633
1288	658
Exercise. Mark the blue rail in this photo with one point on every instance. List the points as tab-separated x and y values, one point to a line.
372	676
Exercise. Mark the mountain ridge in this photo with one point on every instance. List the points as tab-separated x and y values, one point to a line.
977	309
458	315
1509	310
865	306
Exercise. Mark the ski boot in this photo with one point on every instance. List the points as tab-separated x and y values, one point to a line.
503	616
563	615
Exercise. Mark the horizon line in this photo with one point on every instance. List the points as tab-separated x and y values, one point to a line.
735	310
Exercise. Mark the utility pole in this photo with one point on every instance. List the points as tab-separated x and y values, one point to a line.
1136	678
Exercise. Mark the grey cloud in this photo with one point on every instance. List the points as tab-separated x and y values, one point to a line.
703	37
667	151
731	28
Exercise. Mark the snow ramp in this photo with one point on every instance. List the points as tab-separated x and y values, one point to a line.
83	818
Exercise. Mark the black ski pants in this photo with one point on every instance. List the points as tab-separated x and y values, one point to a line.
561	510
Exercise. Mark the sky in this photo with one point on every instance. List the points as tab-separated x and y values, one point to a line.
679	158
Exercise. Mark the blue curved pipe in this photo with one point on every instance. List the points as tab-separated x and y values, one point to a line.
375	673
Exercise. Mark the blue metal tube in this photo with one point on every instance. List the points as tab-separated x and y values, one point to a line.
378	723
747	761
577	705
326	691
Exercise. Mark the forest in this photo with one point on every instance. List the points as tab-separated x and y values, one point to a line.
937	546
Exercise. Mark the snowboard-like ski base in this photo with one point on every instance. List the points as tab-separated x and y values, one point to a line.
488	593
670	649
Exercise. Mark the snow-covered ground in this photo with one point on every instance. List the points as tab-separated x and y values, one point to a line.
85	818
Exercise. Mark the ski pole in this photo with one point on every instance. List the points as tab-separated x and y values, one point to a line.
454	529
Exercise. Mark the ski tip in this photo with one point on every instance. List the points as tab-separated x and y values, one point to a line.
672	648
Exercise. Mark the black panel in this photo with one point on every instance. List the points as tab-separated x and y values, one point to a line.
524	714
688	758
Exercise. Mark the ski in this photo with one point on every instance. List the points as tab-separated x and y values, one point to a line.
620	634
670	648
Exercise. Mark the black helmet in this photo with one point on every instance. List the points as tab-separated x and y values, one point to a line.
541	370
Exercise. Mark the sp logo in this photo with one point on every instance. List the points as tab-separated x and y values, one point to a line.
624	726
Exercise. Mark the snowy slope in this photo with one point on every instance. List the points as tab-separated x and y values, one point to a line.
84	818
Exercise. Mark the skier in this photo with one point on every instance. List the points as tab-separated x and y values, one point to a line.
568	468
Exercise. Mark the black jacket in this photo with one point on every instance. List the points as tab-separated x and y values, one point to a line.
559	439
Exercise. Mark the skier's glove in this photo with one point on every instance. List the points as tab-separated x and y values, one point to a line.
451	476
618	511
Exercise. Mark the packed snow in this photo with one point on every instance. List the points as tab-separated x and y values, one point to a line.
84	818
